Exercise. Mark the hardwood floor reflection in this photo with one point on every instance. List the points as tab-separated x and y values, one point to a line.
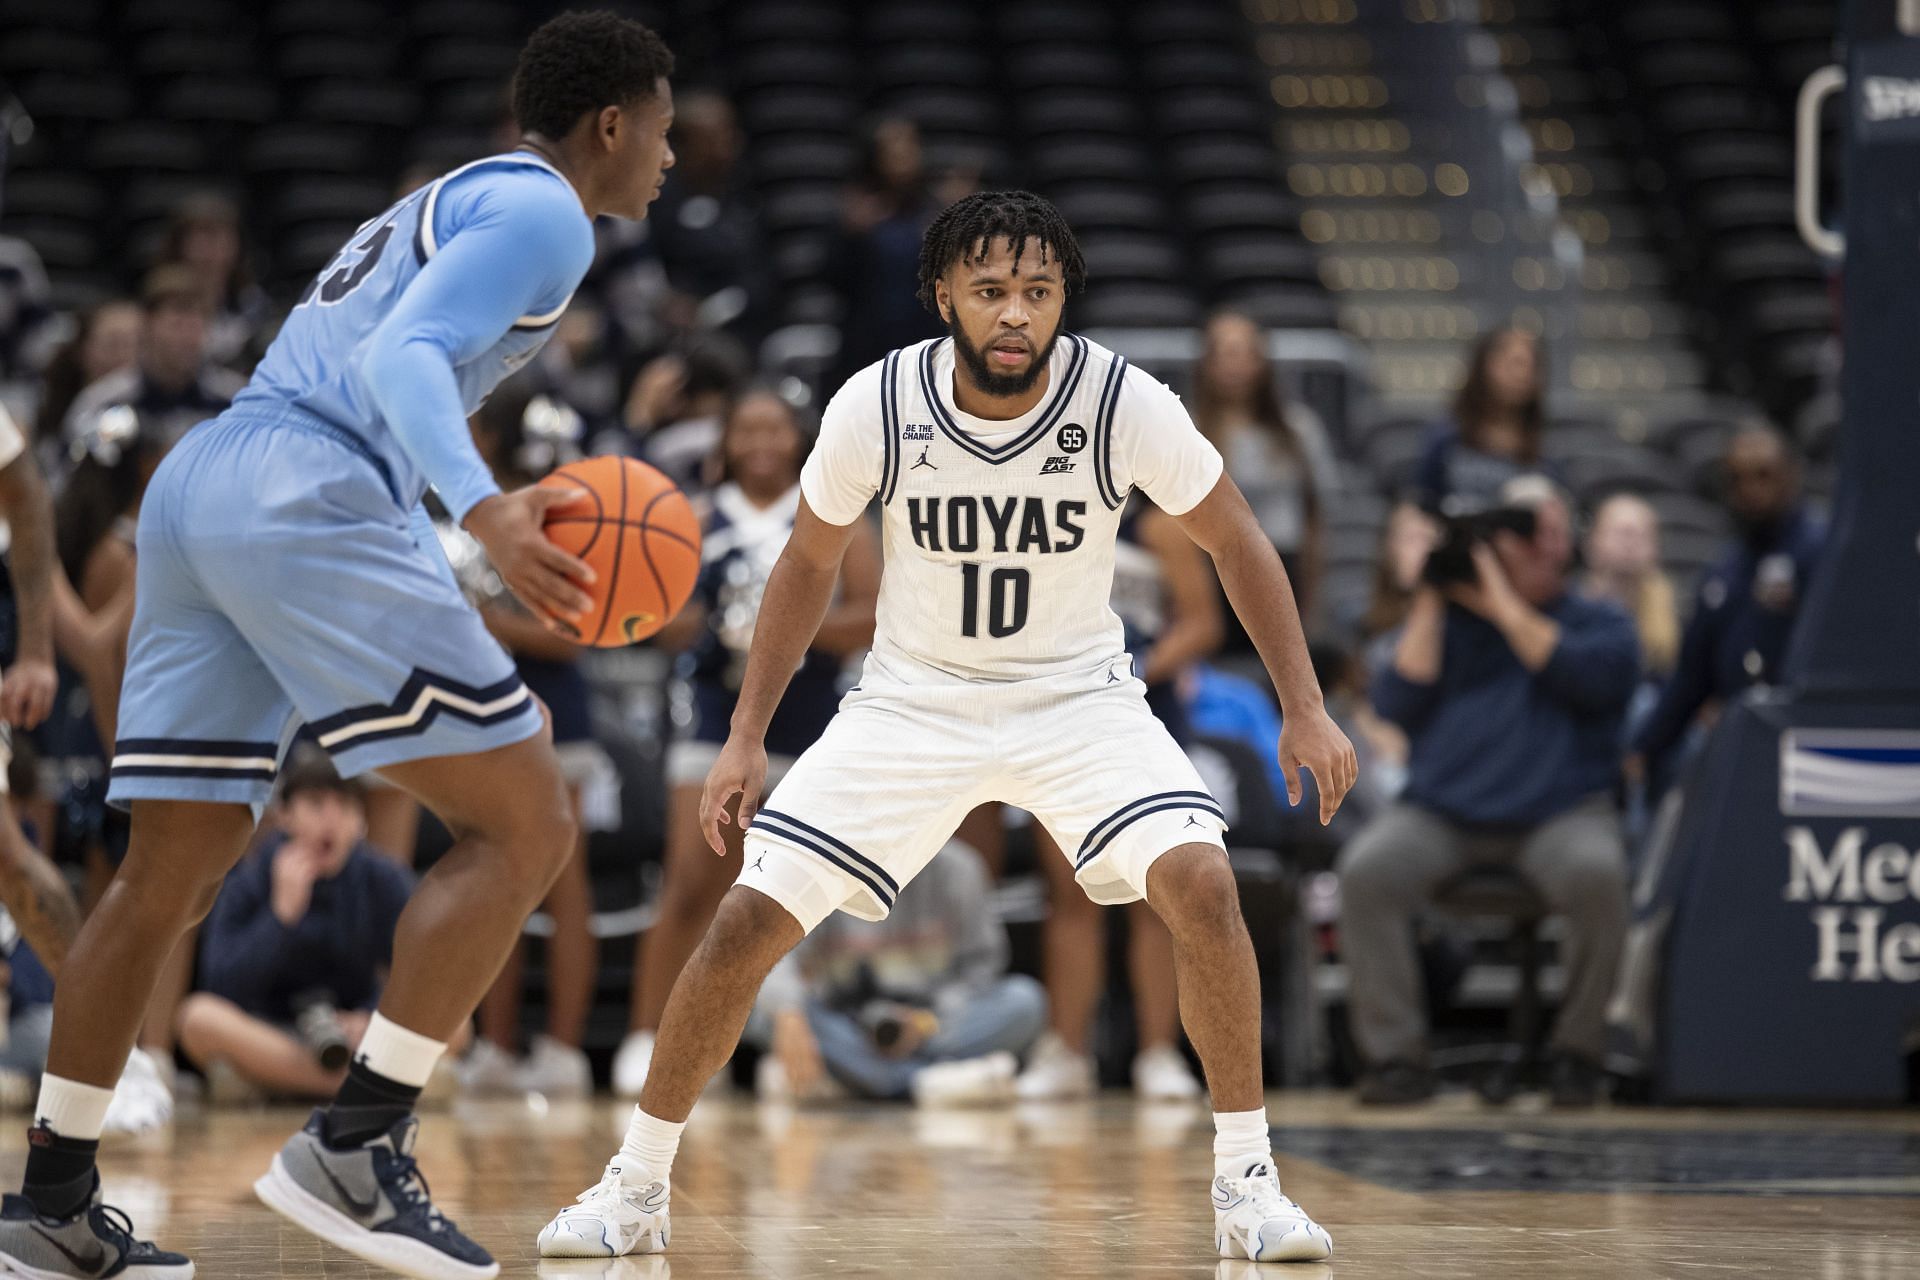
1105	1189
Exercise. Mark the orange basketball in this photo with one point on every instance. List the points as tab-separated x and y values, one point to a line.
639	534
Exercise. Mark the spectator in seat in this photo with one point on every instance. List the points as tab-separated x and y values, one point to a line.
204	238
26	309
1275	451
1747	602
705	226
1511	689
108	341
675	407
298	943
875	261
1494	433
1623	565
1406	540
918	1005
173	387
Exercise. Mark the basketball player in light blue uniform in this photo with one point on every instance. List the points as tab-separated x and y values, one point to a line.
287	574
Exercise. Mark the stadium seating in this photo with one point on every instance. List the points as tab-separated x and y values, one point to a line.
1707	87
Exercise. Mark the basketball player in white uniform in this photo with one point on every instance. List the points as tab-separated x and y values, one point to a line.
1001	457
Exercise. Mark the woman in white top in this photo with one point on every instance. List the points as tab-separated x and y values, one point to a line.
1277	453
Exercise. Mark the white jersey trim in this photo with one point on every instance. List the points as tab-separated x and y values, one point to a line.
426	243
996	454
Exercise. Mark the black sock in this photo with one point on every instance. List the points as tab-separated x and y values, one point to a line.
60	1172
367	1105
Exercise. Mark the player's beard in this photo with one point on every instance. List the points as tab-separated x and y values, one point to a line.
983	376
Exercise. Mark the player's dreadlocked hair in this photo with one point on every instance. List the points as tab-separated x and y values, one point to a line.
967	229
582	61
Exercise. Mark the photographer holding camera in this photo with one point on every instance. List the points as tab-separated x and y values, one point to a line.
1511	689
298	945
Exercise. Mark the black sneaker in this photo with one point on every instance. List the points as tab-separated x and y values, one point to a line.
1577	1081
94	1244
371	1201
1396	1084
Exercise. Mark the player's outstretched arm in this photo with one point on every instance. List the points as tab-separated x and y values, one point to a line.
1257	588
791	609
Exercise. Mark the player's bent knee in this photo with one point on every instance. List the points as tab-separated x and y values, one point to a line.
1193	887
158	900
537	835
751	927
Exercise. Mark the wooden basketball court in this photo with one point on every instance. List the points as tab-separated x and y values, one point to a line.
1107	1189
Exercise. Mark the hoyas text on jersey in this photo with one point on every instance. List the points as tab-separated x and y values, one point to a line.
1001	525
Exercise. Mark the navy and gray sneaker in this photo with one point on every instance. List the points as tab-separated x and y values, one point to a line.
372	1202
91	1245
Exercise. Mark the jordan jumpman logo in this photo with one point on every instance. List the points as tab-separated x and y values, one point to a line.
923	462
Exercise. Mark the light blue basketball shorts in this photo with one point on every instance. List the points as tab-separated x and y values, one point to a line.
280	581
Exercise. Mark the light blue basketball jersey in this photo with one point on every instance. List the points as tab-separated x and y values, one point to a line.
279	580
317	363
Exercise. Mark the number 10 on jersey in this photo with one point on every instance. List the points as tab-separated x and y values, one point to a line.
1006	601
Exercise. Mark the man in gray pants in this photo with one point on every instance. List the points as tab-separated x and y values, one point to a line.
1511	691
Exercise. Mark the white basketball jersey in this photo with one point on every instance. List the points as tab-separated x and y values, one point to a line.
999	535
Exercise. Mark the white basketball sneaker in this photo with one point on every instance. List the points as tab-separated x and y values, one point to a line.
631	1064
966	1082
1055	1072
1162	1075
1253	1219
556	1070
489	1071
143	1097
611	1219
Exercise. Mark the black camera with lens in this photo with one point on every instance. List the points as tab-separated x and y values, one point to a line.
317	1022
1451	563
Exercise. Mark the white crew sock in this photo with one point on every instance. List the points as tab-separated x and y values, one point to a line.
402	1056
72	1109
651	1144
1240	1141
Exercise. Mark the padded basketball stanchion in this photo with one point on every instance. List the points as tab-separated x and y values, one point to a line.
1793	958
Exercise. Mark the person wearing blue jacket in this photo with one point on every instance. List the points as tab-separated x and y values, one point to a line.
1748	600
306	920
1511	690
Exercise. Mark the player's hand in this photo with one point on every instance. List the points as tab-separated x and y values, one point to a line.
26	692
741	770
512	529
1312	741
796	1050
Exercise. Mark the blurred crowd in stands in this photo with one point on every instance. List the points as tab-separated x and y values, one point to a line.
1523	679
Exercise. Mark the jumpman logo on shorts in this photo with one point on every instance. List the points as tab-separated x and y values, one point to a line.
923	462
757	863
1191	822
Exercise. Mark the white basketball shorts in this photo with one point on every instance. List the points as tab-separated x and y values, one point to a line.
873	800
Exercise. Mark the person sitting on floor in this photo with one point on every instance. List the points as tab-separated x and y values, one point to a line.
917	1005
294	955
